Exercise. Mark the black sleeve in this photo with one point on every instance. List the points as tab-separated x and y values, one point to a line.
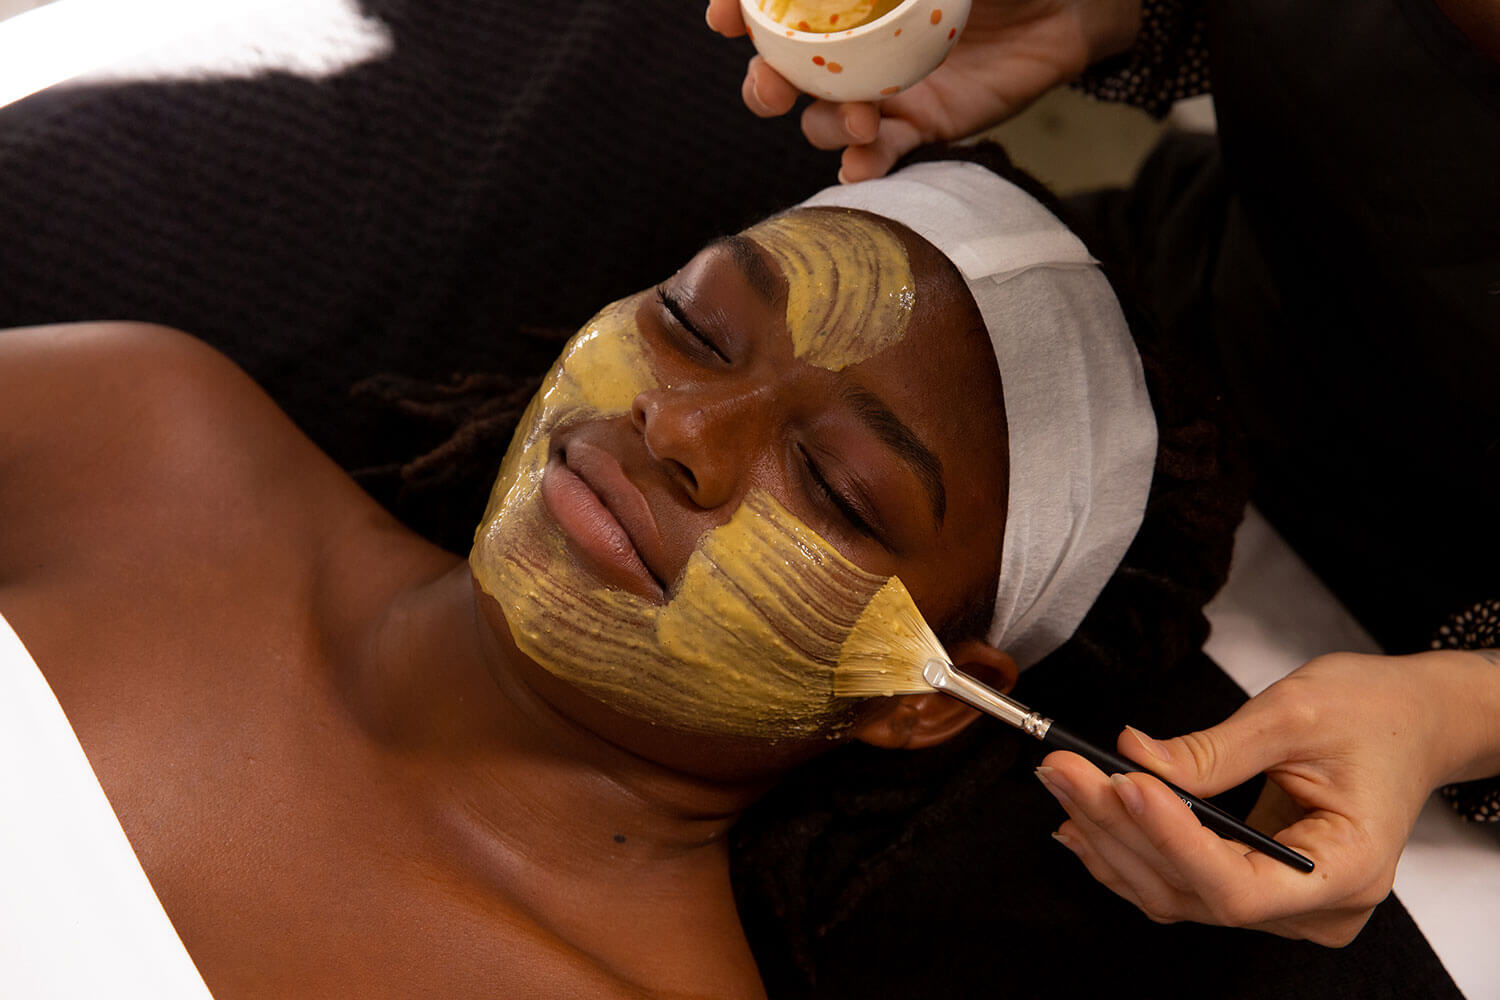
1168	62
1476	628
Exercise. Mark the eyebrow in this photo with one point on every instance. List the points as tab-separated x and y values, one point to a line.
757	270
870	408
904	442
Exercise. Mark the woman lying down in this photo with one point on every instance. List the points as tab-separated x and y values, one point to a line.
353	764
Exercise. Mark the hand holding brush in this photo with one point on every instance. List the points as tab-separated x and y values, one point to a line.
892	650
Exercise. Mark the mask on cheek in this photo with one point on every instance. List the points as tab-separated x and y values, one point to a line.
747	643
749	640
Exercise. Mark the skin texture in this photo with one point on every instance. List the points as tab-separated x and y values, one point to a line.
338	771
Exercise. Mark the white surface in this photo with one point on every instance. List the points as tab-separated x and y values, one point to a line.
1274	615
10	8
1194	114
118	40
78	919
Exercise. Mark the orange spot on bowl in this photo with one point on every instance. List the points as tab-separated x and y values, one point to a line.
888	91
835	68
952	32
803	26
818	60
937	15
833	19
790	33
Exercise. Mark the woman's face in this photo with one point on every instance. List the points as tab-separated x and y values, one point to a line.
719	473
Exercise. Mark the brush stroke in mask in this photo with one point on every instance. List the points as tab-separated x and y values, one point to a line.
750	636
850	290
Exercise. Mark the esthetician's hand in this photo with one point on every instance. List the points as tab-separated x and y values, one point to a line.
1011	52
1352	744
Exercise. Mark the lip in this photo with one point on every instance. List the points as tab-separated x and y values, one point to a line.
605	517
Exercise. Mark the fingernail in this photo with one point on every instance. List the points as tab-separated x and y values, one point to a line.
849	123
843	178
1155	749
760	102
1063	840
1135	803
1056	784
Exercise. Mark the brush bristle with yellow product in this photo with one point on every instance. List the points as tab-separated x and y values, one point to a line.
887	648
892	650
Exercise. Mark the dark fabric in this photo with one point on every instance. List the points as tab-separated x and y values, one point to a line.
498	171
1339	253
1341	250
1473	628
1362	141
1168	62
1338	250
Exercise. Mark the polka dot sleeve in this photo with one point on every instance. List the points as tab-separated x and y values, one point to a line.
1476	628
1168	62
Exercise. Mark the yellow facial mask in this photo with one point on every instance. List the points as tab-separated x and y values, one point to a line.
850	290
748	641
826	15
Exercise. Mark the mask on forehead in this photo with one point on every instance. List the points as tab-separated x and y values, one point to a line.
747	642
850	290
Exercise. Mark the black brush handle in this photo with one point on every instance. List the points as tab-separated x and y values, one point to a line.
1208	814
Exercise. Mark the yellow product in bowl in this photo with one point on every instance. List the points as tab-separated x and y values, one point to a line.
826	15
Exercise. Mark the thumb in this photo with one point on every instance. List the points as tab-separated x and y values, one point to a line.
1212	760
724	17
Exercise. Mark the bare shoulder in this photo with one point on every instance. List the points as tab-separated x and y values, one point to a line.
112	428
57	380
43	348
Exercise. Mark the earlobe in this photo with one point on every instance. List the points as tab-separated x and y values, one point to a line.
915	721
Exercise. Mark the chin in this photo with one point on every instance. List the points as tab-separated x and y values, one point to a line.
697	751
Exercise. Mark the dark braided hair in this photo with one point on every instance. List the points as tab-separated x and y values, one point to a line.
806	857
442	492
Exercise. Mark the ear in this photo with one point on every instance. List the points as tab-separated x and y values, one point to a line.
915	721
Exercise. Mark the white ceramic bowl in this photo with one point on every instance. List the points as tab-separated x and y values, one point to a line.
866	63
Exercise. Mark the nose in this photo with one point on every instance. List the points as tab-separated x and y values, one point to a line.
707	437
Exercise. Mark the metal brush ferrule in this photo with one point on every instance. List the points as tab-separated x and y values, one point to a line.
946	679
1035	724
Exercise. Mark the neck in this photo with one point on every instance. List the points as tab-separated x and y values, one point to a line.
515	803
514	778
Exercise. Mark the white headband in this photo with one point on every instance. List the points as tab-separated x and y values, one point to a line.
1082	432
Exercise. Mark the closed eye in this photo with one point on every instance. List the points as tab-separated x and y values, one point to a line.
701	340
844	505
